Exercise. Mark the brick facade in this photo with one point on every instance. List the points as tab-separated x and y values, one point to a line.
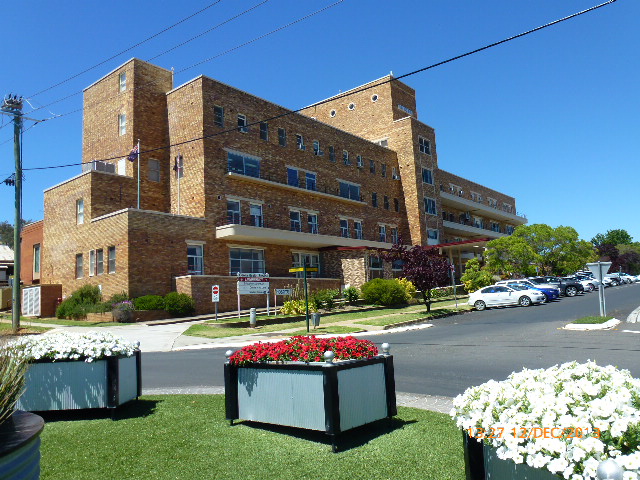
30	248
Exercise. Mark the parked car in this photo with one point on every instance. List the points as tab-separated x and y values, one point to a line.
615	279
588	281
501	295
550	292
628	278
568	286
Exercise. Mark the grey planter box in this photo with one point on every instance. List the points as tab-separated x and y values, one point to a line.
329	397
482	463
20	447
73	385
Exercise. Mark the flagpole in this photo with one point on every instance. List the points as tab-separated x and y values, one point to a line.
138	174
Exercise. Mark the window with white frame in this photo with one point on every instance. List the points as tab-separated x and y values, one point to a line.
80	211
233	212
345	157
282	137
122	123
92	263
310	181
122	81
99	261
154	170
246	260
242	123
509	229
397	267
478	222
195	259
293	177
243	164
357	227
376	267
427	176
492	202
394	174
424	145
300	142
313	222
79	265
344	228
111	259
294	221
218	115
432	236
495	227
383	169
382	233
430	206
316	148
36	259
311	260
349	190
255	215
264	131
359	161
394	235
332	153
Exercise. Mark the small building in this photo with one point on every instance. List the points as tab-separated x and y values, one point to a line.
6	265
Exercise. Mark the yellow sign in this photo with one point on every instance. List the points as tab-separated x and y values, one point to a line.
301	269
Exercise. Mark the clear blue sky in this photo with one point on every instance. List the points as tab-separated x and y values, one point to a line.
552	118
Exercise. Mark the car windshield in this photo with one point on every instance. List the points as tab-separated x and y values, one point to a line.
519	287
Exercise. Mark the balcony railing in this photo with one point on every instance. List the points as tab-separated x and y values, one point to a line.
468	196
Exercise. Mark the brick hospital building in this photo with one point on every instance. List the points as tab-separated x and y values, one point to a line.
247	188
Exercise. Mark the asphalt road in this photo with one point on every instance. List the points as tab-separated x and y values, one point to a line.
463	350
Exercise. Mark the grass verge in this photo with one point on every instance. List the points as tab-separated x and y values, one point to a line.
408	317
5	328
334	329
186	437
592	320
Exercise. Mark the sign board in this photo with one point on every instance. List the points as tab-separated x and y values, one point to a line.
301	269
599	269
283	291
215	293
253	284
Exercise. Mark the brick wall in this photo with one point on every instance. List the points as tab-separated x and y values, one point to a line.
30	235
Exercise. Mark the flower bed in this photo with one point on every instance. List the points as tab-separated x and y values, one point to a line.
285	383
563	420
77	371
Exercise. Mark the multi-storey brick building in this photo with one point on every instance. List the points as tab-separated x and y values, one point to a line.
247	186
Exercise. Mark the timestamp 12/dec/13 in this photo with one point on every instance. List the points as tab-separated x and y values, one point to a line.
533	432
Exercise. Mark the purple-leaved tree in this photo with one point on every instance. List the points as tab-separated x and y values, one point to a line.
422	266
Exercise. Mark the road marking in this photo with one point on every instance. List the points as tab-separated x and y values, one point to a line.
630	331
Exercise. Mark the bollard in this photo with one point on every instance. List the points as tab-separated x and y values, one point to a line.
228	354
316	319
329	356
252	318
385	348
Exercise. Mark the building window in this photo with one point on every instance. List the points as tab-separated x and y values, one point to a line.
282	137
344	228
122	81
292	177
359	161
509	229
294	218
397	267
255	212
300	142
375	267
246	260
383	169
396	204
383	143
492	202
99	261
264	131
242	123
432	236
424	145
345	157
313	222
495	227
245	165
332	154
357	227
394	174
382	233
195	260
385	201
154	170
427	176
395	238
218	116
92	263
233	212
374	199
79	262
311	260
122	124
316	148
478	222
36	259
80	211
310	181
372	166
349	190
111	259
430	206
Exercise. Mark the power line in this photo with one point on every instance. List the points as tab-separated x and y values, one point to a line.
125	50
346	94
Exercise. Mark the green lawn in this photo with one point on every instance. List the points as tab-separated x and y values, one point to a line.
24	328
77	323
333	329
407	317
592	320
186	437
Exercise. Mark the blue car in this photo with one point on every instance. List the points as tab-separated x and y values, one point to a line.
552	293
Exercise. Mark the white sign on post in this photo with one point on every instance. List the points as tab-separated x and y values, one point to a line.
253	284
283	291
215	293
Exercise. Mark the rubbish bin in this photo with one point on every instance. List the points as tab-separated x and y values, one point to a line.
315	317
252	317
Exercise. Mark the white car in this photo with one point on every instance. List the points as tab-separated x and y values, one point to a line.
500	295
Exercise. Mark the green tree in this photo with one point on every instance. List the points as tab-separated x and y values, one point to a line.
475	276
617	236
509	256
6	232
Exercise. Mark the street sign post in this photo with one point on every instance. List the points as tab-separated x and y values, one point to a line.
276	292
215	297
304	269
599	270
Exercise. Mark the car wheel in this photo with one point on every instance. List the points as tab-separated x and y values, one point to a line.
480	305
524	301
590	287
614	283
571	291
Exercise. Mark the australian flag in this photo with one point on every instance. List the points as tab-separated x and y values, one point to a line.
134	154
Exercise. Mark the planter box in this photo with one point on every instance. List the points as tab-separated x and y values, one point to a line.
73	385
329	397
20	447
482	463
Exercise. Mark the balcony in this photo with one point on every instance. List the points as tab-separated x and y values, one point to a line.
463	201
274	236
467	230
285	186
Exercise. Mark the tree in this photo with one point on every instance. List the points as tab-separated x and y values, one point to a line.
510	256
617	236
476	276
422	266
6	232
624	258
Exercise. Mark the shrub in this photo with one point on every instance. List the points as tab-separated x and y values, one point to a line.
294	307
324	299
84	300
149	302
12	371
383	292
179	304
351	295
409	288
475	276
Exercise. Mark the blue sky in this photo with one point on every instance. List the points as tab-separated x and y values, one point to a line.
552	118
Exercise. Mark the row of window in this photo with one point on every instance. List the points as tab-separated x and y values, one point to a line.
97	262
